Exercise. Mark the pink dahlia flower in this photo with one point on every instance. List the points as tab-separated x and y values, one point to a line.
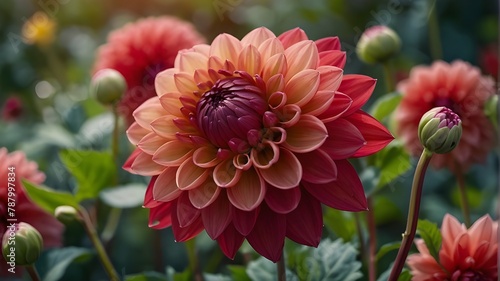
23	209
247	138
142	49
465	254
460	87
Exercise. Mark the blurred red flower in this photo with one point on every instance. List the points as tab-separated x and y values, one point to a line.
247	138
459	87
12	109
140	50
24	210
465	254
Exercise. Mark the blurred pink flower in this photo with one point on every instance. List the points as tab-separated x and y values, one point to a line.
465	254
460	87
247	138
12	109
24	210
142	49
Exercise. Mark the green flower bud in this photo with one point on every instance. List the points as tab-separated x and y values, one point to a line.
378	44
108	86
66	214
491	110
22	244
440	130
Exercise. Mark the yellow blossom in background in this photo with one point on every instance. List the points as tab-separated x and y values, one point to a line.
39	29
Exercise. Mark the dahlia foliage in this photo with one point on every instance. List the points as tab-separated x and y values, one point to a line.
161	38
460	87
24	210
246	138
465	254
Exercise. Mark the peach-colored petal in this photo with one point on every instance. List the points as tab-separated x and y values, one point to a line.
151	142
148	111
226	46
249	192
226	175
267	156
164	82
307	135
165	127
300	56
274	65
285	173
319	103
144	165
292	36
204	195
339	106
250	60
191	61
330	78
165	189
269	48
185	84
257	36
482	230
289	115
206	157
275	84
173	153
135	133
171	103
450	230
301	88
190	176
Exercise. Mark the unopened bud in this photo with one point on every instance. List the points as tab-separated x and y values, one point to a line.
491	110
378	44
65	214
440	130
22	244
108	86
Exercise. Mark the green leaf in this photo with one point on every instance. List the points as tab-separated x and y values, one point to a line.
385	105
340	223
405	276
215	277
393	161
263	269
147	276
431	235
93	171
238	273
60	259
386	248
386	210
49	199
125	196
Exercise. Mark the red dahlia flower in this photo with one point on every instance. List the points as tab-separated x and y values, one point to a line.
459	87
23	209
247	138
142	49
466	254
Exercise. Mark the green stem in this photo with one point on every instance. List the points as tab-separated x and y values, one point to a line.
115	143
413	210
361	237
434	37
111	225
463	198
101	253
390	84
281	268
33	273
194	265
372	247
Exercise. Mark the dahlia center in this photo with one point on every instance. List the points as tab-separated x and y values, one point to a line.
231	109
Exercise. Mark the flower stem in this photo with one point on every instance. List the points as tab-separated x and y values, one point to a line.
463	197
390	84
434	40
413	210
101	253
33	273
193	260
372	248
281	268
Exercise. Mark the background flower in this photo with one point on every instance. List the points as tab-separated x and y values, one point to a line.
252	135
465	254
142	49
460	87
25	211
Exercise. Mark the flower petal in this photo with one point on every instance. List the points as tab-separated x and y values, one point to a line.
340	104
292	36
328	43
359	88
230	241
286	173
249	60
272	66
374	133
330	78
344	139
306	221
144	165
165	127
333	58
151	142
266	156
173	153
204	195
182	234
249	192
300	56
190	176
185	84
282	201
217	216
206	157
302	87
164	81
160	216
317	167
148	111
186	212
319	103
127	166
226	47
346	193
149	202
225	174
136	132
171	104
268	243
191	61
269	48
307	135
257	36
165	189
244	221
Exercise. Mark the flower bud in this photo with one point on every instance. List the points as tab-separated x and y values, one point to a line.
491	110
22	244
65	214
440	130
108	86
378	44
